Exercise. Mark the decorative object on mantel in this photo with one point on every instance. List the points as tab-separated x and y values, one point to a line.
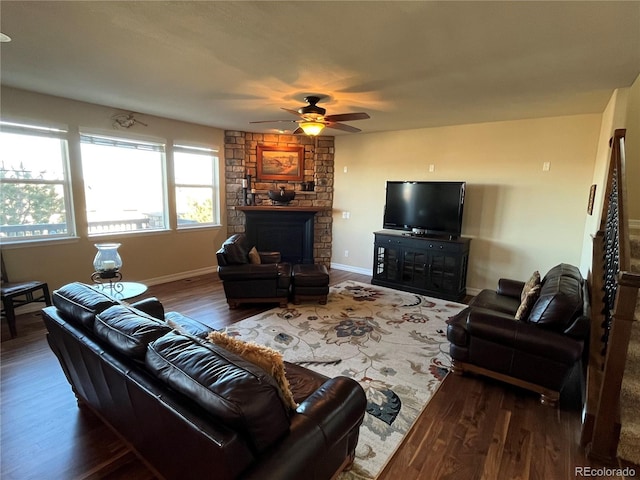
248	193
107	264
307	186
281	197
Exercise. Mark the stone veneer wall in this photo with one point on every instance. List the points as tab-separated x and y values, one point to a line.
240	152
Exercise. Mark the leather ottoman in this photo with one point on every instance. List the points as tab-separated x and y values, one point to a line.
310	282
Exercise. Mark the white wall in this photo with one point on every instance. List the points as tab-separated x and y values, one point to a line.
520	218
613	117
622	111
632	144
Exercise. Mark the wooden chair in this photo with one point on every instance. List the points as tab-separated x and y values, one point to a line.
18	294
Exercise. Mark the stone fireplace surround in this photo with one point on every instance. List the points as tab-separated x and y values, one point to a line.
240	152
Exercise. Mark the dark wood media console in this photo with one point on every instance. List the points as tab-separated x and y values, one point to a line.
430	266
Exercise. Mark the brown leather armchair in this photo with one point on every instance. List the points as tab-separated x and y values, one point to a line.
537	350
249	276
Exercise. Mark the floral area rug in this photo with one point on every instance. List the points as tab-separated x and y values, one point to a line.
394	343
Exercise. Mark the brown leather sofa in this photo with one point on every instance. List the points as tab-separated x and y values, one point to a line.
539	351
191	409
256	278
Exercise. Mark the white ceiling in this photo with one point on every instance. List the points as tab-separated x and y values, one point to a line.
408	64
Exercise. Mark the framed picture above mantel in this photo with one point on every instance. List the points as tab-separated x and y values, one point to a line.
280	163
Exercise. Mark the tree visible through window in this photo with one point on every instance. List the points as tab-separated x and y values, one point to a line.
125	184
35	183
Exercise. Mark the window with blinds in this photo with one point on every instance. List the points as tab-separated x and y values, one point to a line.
124	184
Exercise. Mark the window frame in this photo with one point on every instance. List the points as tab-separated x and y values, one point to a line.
129	141
213	153
50	131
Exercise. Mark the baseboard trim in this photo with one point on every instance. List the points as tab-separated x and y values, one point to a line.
179	276
37	306
351	268
634	225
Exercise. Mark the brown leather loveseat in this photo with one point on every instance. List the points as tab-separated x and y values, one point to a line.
190	408
527	335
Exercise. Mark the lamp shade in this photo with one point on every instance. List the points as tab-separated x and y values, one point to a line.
312	128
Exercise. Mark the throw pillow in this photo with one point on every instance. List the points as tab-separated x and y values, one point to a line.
268	359
532	282
254	256
527	304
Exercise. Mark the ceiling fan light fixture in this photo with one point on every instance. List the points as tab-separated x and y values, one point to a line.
312	128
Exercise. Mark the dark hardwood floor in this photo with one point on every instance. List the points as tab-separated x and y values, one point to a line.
473	428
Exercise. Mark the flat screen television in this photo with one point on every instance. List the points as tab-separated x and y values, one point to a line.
425	208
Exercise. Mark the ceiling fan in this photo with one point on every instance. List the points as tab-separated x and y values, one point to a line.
313	119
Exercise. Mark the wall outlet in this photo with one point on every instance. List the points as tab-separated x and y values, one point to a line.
546	166
345	169
346	253
346	215
432	168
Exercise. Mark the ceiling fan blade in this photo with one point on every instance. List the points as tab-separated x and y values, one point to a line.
342	126
346	117
274	121
298	131
293	112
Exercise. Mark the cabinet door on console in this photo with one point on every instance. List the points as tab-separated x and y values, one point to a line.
387	263
415	266
443	273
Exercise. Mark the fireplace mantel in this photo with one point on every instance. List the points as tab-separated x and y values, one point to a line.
288	230
280	208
